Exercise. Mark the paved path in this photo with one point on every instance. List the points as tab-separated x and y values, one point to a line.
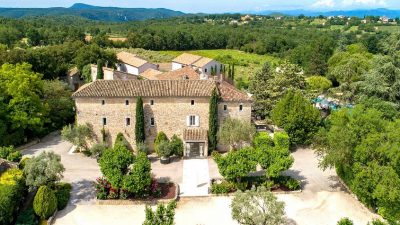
80	171
196	178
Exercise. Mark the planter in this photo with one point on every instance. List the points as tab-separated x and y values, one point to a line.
165	160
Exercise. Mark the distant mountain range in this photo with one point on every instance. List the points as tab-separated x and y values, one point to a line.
112	14
115	14
357	13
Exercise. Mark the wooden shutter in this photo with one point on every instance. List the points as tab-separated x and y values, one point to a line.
187	120
197	121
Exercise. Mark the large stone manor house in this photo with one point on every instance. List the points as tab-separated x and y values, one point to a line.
176	106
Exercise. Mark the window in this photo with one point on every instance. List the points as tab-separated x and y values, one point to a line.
205	70
152	121
192	102
126	102
103	102
151	102
128	121
225	107
104	121
240	107
192	120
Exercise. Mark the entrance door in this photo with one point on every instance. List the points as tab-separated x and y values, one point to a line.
194	150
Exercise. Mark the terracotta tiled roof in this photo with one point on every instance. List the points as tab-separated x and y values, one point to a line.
147	88
130	59
195	134
202	62
185	73
151	74
230	93
187	59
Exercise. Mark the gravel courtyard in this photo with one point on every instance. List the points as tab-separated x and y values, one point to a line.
323	200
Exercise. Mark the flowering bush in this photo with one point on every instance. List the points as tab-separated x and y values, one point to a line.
102	188
155	188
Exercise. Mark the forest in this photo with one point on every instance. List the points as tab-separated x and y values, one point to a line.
355	61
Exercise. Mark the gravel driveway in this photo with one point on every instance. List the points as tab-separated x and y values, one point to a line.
323	200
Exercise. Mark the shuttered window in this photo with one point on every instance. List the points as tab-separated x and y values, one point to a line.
193	121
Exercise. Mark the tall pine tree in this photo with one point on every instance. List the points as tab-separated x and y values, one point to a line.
139	125
100	73
213	122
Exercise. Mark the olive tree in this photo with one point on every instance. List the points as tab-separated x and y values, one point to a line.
78	135
257	207
44	169
235	132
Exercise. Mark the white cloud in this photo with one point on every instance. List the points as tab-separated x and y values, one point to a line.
324	4
363	2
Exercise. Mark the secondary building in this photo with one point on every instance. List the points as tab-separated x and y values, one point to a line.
178	107
204	65
132	64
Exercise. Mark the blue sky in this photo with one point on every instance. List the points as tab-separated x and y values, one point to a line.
217	6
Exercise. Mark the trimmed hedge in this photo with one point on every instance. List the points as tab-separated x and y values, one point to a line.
45	202
224	187
63	193
12	191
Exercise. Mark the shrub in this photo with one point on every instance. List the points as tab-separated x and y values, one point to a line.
45	202
12	189
142	147
27	217
289	182
5	151
10	154
164	149
78	135
138	181
241	185
162	216
14	156
63	193
176	145
345	221
97	150
44	169
282	140
23	162
102	188
114	164
120	140
161	137
262	139
113	193
224	187
155	188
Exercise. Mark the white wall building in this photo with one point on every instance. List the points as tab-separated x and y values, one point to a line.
132	64
203	64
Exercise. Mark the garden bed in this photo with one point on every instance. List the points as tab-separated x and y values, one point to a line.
283	184
169	191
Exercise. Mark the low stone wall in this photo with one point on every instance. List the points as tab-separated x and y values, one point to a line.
138	202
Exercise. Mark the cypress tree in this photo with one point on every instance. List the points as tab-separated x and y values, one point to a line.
213	122
233	73
100	73
139	125
215	69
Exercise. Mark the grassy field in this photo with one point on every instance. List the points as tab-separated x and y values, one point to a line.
391	29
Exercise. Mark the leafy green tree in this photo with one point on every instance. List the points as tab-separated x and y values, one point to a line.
161	137
318	83
44	169
138	180
213	122
176	145
297	116
162	216
268	86
121	140
345	221
234	132
382	81
114	164
236	164
274	157
90	54
12	192
87	73
45	202
347	68
140	135
57	99
78	135
257	207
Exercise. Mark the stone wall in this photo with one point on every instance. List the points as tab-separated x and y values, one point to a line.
233	111
170	115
